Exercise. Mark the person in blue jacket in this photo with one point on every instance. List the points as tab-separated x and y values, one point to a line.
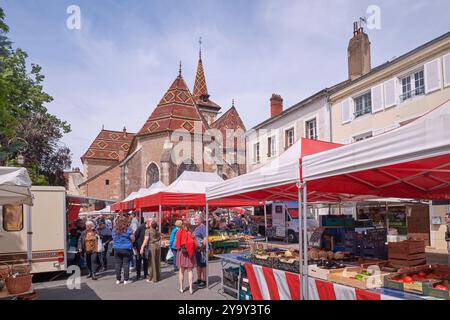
172	243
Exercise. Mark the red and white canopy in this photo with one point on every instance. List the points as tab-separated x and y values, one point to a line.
412	161
276	180
188	191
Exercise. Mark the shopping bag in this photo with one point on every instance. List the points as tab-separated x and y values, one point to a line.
169	255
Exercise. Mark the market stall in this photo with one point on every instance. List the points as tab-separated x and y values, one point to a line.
15	194
409	162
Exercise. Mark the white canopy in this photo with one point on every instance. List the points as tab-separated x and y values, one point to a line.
282	170
15	185
193	182
154	188
426	137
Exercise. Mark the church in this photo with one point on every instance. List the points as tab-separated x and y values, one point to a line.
120	162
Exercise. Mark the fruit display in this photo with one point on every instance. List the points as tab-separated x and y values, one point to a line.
439	289
358	277
416	279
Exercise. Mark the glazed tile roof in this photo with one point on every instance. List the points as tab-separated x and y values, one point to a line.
176	110
108	144
229	120
200	91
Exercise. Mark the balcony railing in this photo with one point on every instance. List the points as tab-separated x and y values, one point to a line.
412	93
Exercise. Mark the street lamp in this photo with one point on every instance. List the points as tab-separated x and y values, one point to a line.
20	159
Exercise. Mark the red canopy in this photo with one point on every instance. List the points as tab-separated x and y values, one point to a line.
187	200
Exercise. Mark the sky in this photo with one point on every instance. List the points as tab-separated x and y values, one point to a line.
114	70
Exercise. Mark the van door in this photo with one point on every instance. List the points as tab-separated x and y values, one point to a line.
279	219
13	234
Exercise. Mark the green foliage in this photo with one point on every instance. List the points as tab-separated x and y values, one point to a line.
23	116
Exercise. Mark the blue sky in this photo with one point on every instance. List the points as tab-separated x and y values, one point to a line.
115	69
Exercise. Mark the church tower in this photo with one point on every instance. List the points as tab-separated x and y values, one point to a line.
208	108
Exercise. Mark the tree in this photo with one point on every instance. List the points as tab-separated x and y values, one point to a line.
24	117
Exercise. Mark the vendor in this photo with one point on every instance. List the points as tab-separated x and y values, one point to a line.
362	215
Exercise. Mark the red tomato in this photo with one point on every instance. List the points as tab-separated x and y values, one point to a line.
441	287
407	279
422	274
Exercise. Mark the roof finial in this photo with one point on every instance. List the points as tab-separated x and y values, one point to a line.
103	127
232	103
179	70
200	48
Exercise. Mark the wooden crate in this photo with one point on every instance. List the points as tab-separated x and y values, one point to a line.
318	272
407	256
347	275
407	246
407	263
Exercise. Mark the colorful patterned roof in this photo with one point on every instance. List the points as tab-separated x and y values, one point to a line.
200	91
176	110
108	144
229	120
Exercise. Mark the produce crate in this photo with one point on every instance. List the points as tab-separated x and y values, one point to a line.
407	246
230	283
430	290
365	263
440	272
347	275
245	295
286	266
259	260
231	273
225	244
318	272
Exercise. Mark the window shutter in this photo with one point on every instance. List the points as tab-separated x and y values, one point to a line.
377	98
446	62
390	93
432	76
346	111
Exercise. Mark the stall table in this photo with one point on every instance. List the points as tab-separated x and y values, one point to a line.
272	284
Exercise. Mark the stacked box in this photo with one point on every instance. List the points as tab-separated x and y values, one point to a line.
407	253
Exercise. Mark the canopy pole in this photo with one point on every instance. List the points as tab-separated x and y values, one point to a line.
207	244
265	221
160	230
300	242
305	242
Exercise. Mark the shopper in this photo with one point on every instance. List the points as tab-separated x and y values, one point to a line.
75	234
105	234
185	243
172	243
88	244
123	239
200	253
447	235
152	244
142	258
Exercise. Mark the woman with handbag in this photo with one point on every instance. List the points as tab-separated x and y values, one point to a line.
88	244
186	244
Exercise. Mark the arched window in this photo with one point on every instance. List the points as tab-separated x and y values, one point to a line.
152	174
186	165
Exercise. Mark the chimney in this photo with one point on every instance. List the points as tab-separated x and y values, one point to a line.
358	53
276	105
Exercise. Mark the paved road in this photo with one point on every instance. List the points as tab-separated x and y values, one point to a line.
106	288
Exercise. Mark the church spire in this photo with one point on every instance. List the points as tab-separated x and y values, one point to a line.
200	88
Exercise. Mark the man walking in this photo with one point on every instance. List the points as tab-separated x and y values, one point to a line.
447	235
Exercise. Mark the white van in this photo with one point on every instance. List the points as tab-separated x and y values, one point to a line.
41	238
283	220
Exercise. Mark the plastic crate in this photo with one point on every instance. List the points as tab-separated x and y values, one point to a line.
231	273
245	295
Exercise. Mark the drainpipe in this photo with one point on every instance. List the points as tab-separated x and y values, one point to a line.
330	135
